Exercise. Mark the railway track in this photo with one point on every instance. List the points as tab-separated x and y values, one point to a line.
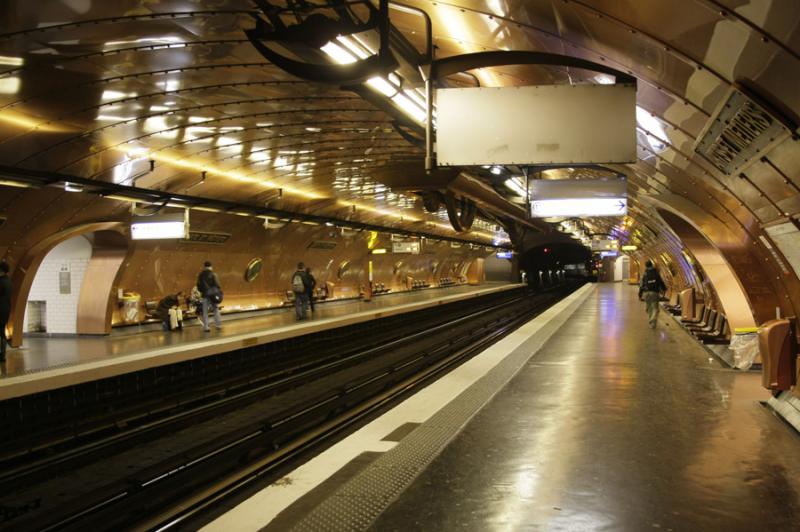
218	449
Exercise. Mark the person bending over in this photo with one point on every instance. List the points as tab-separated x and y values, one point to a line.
172	301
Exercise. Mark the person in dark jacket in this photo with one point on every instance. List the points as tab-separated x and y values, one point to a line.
650	289
5	306
208	284
300	287
312	283
164	306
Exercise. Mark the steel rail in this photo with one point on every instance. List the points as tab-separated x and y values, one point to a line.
135	485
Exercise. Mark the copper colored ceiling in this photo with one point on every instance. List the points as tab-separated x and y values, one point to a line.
95	89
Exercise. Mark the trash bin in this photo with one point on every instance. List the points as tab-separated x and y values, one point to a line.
744	345
130	307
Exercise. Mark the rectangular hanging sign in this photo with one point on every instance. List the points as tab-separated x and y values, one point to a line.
578	197
540	124
160	226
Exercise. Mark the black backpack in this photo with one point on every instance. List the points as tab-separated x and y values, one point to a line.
651	283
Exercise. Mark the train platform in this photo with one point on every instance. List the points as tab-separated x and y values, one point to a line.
582	419
46	363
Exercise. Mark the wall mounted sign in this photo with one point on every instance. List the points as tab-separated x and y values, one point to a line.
321	244
64	282
406	247
203	237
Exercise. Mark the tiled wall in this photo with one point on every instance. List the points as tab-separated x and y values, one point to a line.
61	309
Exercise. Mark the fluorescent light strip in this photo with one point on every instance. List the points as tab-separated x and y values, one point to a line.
516	185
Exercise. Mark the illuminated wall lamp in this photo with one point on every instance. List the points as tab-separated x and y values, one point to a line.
629	248
378	251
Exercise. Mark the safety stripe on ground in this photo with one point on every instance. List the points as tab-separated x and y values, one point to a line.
442	409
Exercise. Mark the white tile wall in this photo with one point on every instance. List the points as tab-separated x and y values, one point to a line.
62	310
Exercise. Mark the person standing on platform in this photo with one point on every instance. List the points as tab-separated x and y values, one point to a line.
5	306
208	284
312	283
300	288
650	289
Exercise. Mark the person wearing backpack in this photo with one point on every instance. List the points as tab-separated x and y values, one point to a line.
312	284
208	285
650	289
300	287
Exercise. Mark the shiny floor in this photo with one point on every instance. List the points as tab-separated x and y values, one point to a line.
614	426
42	353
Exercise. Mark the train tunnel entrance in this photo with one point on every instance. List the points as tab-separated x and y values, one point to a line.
549	264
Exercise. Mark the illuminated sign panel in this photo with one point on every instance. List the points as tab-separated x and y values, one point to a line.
162	226
578	197
504	254
579	207
604	244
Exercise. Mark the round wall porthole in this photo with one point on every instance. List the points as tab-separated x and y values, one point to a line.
253	269
343	267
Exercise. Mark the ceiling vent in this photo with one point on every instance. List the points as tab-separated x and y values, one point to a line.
739	132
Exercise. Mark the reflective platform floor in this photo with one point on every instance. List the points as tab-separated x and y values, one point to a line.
609	425
613	426
40	354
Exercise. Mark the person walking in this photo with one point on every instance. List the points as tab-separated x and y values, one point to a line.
650	289
300	287
211	292
5	306
312	284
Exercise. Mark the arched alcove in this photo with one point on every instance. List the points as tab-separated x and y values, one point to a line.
101	275
736	305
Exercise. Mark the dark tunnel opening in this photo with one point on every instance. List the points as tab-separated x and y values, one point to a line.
551	264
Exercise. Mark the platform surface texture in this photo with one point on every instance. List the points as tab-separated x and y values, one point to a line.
596	422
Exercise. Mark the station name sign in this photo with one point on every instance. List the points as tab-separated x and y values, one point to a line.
406	247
